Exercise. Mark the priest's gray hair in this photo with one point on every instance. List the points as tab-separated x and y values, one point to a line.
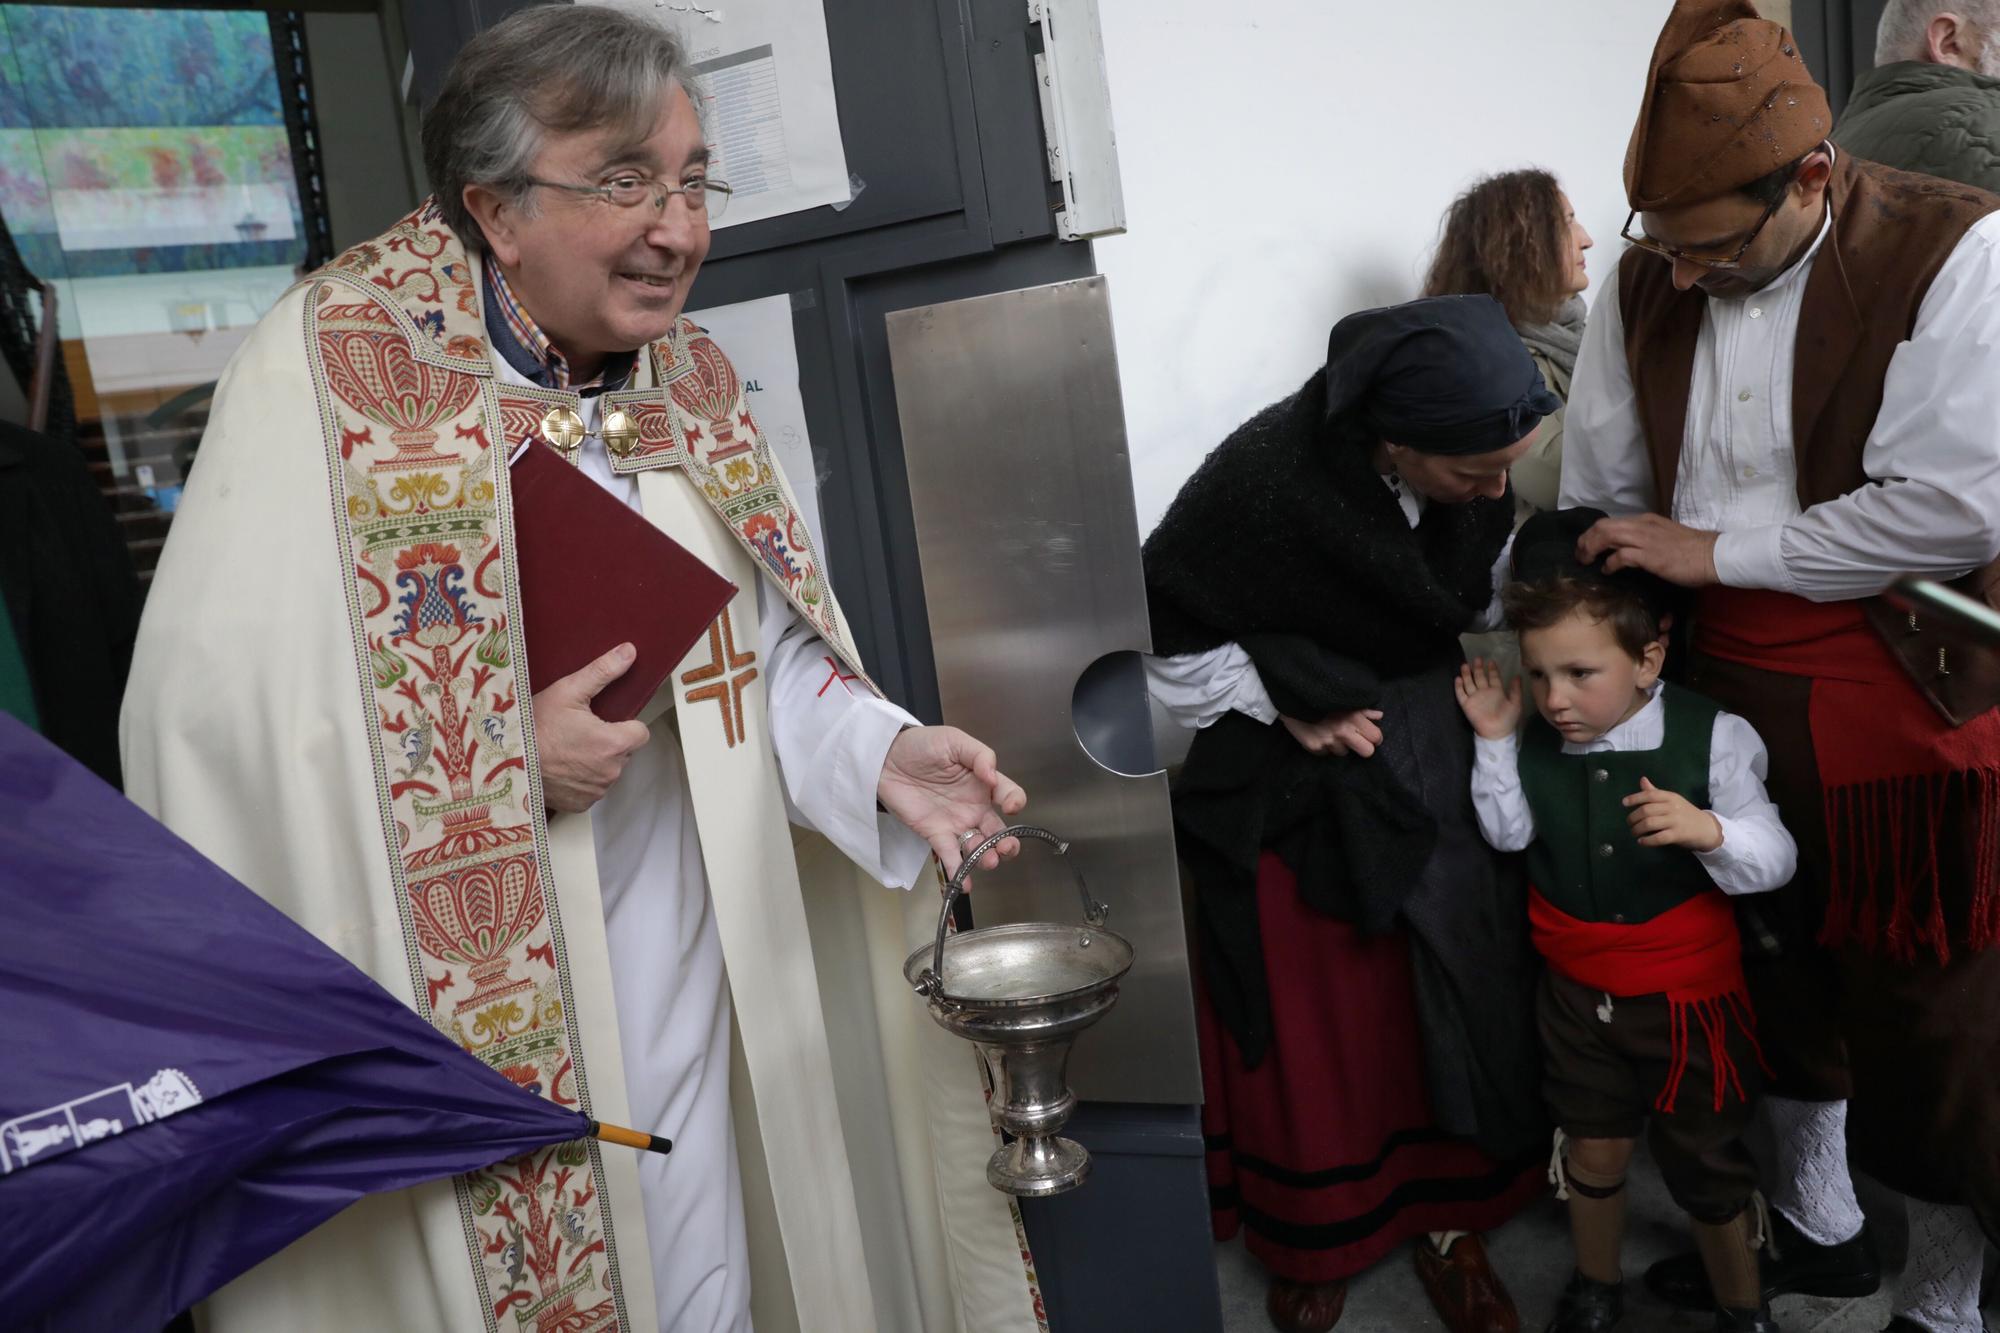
1900	34
552	69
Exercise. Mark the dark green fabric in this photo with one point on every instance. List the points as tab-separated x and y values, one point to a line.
1936	119
17	692
1585	859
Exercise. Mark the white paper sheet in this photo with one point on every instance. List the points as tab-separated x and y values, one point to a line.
768	86
757	335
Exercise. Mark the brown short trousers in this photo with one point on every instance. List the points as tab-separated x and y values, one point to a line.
1601	1080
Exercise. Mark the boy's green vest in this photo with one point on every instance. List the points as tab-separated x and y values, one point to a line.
1585	859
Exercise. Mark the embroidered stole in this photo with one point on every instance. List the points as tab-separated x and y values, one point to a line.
422	511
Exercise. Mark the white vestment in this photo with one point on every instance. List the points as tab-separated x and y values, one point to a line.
666	957
275	721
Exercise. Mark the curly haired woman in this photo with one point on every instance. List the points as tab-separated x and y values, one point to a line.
1514	237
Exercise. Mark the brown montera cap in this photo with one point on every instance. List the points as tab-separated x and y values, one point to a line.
1728	99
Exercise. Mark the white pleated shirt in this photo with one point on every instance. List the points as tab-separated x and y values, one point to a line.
1933	453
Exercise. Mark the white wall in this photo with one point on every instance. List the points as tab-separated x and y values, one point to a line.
1286	162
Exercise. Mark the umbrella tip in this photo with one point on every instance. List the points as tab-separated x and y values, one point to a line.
630	1138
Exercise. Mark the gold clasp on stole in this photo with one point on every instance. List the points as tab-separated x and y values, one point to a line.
563	428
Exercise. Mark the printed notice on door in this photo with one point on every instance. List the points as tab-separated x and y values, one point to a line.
766	83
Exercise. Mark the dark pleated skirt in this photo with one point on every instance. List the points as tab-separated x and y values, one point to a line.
1325	1155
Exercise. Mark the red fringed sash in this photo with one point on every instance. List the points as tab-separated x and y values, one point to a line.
1691	954
1891	770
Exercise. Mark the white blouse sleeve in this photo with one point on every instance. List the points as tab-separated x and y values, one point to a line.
832	736
1757	853
1495	616
1198	689
1933	457
1505	820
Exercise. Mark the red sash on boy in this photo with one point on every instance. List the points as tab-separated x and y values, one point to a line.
1690	953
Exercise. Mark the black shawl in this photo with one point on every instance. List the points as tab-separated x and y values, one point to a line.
1289	544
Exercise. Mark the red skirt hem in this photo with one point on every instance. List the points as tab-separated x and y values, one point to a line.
1325	1154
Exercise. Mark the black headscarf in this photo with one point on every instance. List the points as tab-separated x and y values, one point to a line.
1287	529
1444	375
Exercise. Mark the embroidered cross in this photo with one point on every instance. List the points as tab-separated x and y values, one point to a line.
716	680
835	674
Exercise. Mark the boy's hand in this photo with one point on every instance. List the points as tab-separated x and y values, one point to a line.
1493	709
1668	819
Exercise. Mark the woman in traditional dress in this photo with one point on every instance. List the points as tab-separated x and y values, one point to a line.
1366	982
1516	238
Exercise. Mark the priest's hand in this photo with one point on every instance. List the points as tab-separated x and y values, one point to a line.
1657	545
942	783
1493	708
1352	733
582	754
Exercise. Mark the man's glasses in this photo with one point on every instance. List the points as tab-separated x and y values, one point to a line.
702	194
1710	260
1706	260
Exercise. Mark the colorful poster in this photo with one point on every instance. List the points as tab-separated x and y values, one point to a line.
143	141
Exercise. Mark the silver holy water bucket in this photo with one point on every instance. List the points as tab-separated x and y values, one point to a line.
1021	994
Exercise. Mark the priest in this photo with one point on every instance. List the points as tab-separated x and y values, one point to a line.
656	920
1792	391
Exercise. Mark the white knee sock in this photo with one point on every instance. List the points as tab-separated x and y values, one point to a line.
1940	1286
1814	1189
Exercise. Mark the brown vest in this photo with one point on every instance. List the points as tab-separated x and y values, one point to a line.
1892	232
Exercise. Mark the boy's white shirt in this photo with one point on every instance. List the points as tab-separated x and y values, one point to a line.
1757	853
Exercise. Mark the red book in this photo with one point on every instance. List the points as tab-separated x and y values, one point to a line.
595	574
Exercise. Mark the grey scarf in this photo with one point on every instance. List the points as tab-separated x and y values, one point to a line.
1558	339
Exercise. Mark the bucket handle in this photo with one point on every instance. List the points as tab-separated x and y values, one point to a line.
931	982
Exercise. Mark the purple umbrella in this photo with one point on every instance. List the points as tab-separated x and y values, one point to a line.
192	1080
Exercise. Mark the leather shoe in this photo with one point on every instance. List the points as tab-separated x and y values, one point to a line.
1468	1294
1746	1321
1792	1266
1589	1306
1305	1307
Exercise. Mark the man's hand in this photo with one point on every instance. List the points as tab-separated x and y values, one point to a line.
1344	733
942	783
1657	545
1493	709
1668	819
582	754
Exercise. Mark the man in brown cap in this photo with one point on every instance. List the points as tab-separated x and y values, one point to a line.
1793	393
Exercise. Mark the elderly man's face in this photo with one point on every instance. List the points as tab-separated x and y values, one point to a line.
600	279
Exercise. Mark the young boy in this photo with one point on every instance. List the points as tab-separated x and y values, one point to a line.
1640	806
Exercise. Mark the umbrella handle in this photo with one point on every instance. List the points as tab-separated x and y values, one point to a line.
630	1138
